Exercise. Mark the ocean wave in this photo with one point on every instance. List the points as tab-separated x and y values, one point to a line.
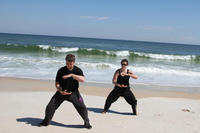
168	57
97	52
10	61
35	62
57	49
139	69
166	71
98	65
122	53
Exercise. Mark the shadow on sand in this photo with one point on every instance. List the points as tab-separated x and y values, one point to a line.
100	110
36	121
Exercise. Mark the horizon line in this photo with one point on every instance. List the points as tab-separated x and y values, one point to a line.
99	38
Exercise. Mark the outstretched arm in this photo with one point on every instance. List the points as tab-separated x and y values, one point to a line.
132	75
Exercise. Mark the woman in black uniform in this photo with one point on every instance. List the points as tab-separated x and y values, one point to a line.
122	88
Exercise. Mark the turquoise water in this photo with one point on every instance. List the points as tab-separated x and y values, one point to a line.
39	57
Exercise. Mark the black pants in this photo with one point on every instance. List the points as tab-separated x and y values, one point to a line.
116	93
75	98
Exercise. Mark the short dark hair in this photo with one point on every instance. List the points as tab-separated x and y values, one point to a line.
70	58
124	60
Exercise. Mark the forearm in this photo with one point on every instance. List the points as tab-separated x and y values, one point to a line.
114	82
133	76
78	77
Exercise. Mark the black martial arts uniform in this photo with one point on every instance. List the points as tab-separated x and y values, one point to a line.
71	85
124	92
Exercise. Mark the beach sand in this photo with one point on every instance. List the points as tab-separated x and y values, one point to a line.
23	102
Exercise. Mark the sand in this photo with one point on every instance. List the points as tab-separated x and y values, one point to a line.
23	103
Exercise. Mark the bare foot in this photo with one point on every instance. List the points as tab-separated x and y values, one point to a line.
103	112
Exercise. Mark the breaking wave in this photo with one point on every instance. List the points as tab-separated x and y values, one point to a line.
15	48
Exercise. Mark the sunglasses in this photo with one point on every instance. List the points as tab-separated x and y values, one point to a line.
123	64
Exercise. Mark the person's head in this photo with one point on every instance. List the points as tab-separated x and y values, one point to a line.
124	63
70	60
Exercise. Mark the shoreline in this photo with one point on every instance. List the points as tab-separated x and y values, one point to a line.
12	84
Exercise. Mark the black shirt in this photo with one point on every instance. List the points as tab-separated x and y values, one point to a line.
123	79
68	84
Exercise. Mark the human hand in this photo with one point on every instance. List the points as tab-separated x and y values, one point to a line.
66	76
65	92
118	85
123	86
123	73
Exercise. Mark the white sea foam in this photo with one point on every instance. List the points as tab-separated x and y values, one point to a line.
125	53
26	61
90	49
97	65
118	53
149	69
42	68
59	49
166	71
44	46
65	50
122	53
168	57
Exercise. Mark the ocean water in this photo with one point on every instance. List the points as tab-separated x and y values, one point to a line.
39	57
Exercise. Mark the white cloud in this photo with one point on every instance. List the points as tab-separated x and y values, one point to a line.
102	18
154	28
94	17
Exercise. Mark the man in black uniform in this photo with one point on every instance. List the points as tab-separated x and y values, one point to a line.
67	83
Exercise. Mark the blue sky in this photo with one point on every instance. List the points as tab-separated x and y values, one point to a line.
175	21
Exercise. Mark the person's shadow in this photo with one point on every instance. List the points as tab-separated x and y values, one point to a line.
100	110
36	121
